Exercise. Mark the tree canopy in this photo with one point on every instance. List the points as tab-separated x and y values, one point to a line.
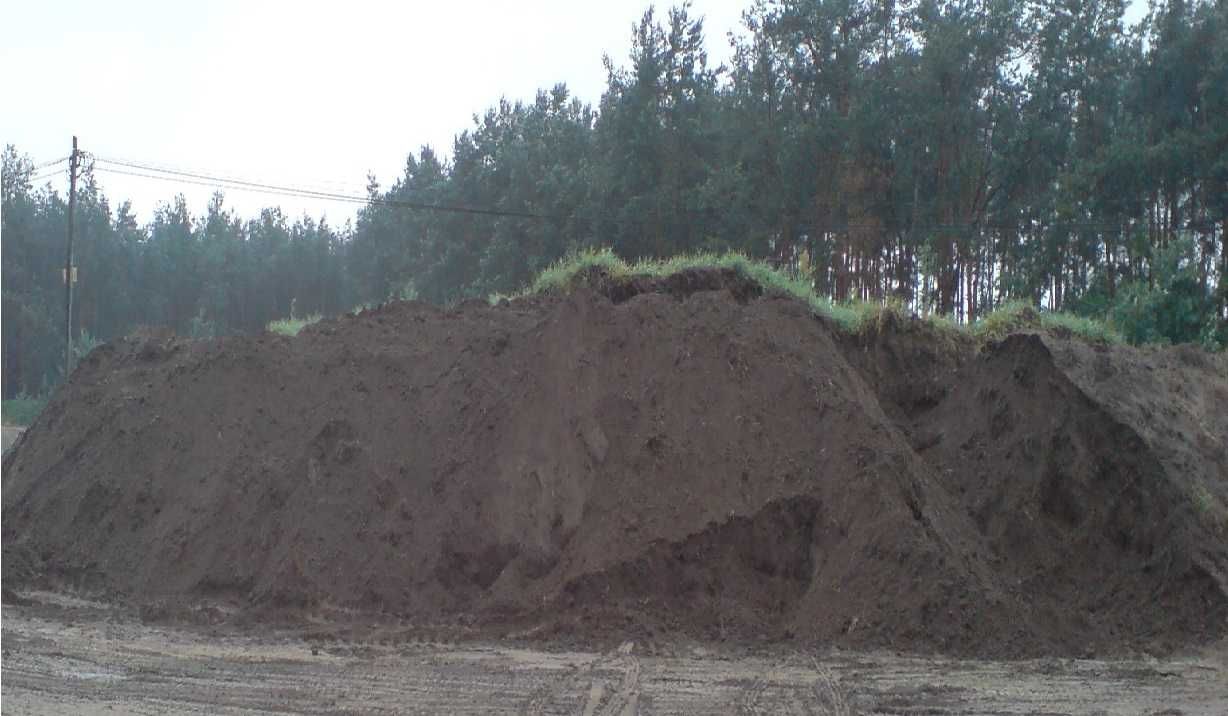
953	155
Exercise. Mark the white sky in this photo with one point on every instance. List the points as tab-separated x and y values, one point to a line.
296	93
301	94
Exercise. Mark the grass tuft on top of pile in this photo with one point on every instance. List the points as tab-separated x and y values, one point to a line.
854	317
1016	316
291	326
565	274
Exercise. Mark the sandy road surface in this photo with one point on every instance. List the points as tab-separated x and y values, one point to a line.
65	655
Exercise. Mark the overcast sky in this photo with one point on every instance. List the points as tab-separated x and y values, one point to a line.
304	94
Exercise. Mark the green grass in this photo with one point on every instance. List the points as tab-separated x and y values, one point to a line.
1015	316
562	275
1210	512
940	322
854	317
291	326
565	274
22	411
1088	328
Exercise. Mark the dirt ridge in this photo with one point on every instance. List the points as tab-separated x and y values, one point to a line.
684	456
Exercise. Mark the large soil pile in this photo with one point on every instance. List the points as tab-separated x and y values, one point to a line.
682	457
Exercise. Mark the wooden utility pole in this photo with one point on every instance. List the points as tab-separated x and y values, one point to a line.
73	160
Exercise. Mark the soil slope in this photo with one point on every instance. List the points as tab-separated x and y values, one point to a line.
681	456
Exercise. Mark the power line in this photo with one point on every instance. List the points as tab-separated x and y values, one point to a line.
324	185
223	183
48	175
215	184
202	179
51	163
310	194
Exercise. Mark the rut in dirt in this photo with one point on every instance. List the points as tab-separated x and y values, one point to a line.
686	456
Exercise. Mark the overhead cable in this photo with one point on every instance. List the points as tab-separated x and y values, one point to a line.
325	185
221	182
51	163
149	171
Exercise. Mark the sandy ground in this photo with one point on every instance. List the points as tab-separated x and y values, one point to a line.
67	655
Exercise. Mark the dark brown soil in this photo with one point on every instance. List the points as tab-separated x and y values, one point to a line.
683	457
